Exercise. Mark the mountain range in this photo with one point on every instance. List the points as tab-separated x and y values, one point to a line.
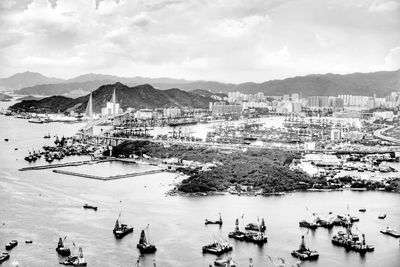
139	97
380	83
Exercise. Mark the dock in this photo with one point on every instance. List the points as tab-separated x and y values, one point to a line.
108	178
61	165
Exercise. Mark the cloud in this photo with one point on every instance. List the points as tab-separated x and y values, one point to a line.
223	40
384	6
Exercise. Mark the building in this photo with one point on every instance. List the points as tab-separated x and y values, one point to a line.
220	108
173	112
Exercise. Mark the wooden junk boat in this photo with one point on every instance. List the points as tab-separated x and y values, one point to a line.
390	232
351	241
237	234
214	222
87	206
121	230
144	245
225	262
75	260
63	251
11	244
217	248
256	226
4	256
304	253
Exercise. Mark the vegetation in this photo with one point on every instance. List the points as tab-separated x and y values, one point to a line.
267	170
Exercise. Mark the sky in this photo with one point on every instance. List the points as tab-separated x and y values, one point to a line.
221	40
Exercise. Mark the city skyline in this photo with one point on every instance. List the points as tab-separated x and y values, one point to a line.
202	40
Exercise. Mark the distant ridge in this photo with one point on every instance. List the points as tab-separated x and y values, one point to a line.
380	83
21	80
139	97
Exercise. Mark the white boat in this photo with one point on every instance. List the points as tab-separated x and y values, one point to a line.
35	120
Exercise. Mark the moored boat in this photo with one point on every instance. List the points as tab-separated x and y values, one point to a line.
362	210
256	226
4	256
217	248
87	206
35	120
225	262
75	260
61	249
304	253
382	216
120	230
237	234
309	225
219	221
11	244
144	245
391	232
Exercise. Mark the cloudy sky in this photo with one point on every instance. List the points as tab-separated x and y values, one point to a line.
223	40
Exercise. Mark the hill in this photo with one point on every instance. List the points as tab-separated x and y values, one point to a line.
21	80
380	83
142	96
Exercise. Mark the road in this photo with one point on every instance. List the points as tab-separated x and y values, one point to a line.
380	134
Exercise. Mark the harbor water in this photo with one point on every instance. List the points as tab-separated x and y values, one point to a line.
43	206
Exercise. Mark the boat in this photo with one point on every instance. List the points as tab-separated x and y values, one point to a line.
225	262
34	120
382	216
144	245
351	241
214	222
304	253
237	234
47	136
326	223
61	249
257	238
256	226
87	206
11	244
362	210
182	123
4	256
75	260
391	232
309	225
120	229
6	139
28	241
217	248
352	218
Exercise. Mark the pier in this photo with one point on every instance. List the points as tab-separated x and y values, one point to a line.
61	165
108	178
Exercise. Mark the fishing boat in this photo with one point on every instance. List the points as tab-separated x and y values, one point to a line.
309	225
75	260
61	249
382	216
304	253
351	241
35	120
237	234
11	244
362	210
325	223
257	238
28	241
6	139
120	229
256	226
214	222
217	248
87	206
47	136
144	245
4	256
391	232
225	262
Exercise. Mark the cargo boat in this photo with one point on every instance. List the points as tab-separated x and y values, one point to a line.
304	253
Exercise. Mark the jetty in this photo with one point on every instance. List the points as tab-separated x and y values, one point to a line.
108	178
61	165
